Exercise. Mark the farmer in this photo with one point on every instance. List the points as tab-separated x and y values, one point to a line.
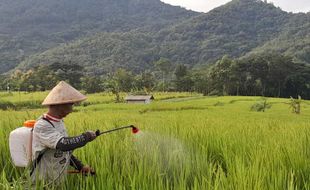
52	148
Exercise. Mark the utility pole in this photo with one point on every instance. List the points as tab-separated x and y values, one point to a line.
8	87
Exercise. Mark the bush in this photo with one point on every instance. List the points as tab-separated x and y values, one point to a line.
295	104
5	105
261	106
215	93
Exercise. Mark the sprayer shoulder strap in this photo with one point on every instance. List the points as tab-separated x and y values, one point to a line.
38	159
48	121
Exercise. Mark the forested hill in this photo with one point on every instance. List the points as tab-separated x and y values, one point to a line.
237	29
233	29
33	26
294	39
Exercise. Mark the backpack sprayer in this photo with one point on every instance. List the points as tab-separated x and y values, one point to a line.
20	142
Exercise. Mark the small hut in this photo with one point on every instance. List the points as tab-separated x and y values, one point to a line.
134	99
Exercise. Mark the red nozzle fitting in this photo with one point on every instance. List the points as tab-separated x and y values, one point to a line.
134	129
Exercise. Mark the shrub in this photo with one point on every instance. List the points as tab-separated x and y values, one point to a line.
260	106
295	104
5	105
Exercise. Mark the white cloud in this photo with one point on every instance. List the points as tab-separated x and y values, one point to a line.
207	5
293	6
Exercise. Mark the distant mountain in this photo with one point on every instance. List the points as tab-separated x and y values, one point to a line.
233	29
294	39
33	26
239	28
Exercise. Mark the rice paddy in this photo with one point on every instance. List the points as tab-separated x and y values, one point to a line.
187	141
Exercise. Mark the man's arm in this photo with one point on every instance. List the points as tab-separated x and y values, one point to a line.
71	143
76	163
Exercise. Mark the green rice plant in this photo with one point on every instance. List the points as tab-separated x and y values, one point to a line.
219	104
180	146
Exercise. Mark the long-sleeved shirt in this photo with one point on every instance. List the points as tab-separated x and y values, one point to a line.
50	138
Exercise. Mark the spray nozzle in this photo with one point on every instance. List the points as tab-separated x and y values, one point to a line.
134	129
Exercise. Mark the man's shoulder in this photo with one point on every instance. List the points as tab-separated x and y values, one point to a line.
42	124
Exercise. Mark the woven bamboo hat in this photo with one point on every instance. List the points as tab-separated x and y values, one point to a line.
63	93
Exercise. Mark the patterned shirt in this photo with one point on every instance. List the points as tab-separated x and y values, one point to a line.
54	163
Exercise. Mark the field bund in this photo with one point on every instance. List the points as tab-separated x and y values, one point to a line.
187	141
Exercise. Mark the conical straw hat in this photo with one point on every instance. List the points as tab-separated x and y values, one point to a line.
63	93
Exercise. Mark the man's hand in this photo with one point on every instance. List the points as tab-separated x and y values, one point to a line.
87	170
91	135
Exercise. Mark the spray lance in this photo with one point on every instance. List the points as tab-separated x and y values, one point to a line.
134	130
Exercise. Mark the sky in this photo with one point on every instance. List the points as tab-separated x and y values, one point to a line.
206	5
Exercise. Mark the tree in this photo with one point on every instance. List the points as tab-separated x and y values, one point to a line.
238	76
124	80
280	68
41	78
120	81
298	83
258	67
183	81
111	84
145	81
220	75
92	84
201	80
164	65
70	72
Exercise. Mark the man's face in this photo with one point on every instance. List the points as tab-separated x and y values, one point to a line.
65	109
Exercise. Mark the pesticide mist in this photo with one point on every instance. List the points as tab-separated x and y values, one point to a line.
167	153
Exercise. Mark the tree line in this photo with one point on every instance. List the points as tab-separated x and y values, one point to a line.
265	74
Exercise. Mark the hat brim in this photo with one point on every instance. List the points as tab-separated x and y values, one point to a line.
63	93
64	102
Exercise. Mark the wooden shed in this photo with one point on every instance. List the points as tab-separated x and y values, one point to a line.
134	99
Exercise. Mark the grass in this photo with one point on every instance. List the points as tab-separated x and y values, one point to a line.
190	143
26	100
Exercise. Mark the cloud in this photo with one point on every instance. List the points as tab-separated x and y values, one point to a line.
293	6
207	5
197	5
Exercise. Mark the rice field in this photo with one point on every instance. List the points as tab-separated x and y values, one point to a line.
186	141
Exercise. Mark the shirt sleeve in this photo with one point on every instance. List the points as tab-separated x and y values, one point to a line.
71	143
47	134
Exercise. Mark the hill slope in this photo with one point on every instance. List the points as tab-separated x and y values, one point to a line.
33	26
239	28
294	39
236	29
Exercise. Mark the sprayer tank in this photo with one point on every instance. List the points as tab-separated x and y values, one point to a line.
20	142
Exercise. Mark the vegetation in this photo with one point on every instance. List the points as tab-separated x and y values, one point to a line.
265	74
295	104
190	138
185	144
261	106
26	100
82	33
34	26
261	57
239	28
